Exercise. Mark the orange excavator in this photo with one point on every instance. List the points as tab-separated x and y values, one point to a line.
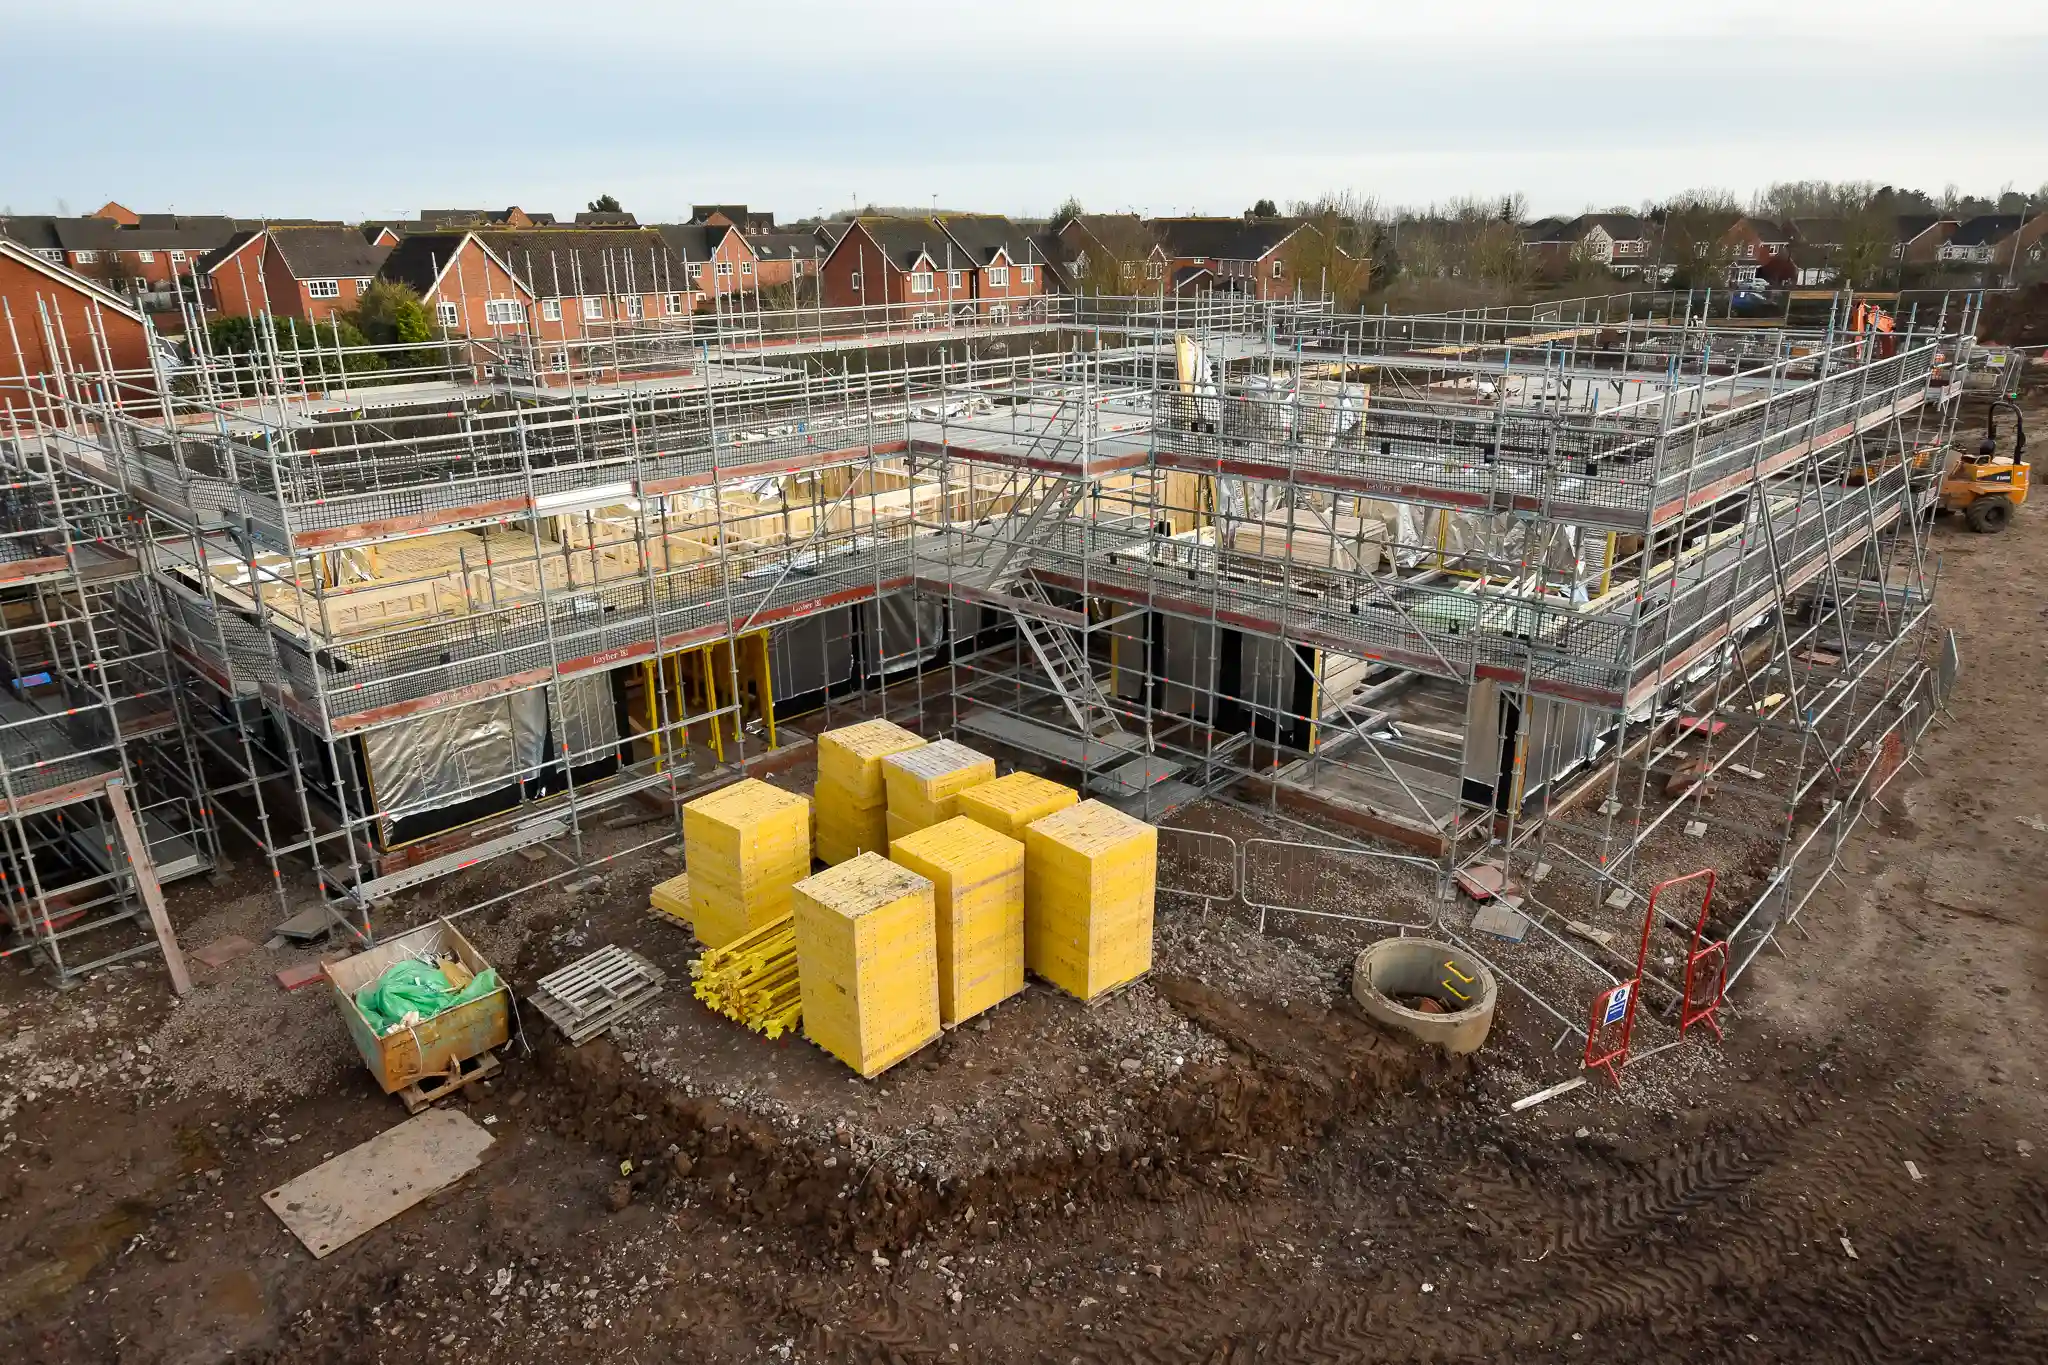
1869	317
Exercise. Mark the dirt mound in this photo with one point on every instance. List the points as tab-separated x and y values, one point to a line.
2016	319
1292	1074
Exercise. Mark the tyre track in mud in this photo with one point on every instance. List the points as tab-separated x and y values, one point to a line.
1641	1260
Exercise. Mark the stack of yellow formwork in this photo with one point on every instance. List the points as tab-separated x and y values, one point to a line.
753	980
977	878
1090	873
745	846
925	784
867	957
852	798
670	900
1009	804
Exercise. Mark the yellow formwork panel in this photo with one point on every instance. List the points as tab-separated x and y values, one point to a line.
1009	804
925	784
846	830
672	898
867	961
977	878
1090	877
851	757
744	845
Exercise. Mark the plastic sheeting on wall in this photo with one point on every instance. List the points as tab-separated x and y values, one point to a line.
912	630
453	755
589	720
467	751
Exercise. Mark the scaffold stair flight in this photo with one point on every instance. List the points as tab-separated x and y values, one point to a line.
1073	678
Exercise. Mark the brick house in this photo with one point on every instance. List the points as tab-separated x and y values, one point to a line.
1998	240
467	289
716	257
50	314
740	216
1007	262
585	281
1618	241
1753	243
782	258
1920	237
150	258
307	273
925	271
541	290
1242	255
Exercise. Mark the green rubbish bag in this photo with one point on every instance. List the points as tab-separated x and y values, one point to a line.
414	985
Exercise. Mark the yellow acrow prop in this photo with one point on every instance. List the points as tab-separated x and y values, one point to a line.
753	979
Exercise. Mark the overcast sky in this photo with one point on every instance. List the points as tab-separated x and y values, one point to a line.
376	108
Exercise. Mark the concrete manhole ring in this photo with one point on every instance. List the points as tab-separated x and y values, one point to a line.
1426	967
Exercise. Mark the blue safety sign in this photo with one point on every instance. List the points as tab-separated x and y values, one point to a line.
1617	1004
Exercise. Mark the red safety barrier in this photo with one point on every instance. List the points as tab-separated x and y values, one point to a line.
1704	987
1706	967
1613	1020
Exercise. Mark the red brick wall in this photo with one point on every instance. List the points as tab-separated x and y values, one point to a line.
471	282
1015	286
74	316
857	254
248	281
238	281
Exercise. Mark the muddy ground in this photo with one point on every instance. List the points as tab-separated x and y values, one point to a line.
1225	1163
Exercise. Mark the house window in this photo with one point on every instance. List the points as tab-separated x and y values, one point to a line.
798	267
323	289
999	277
1279	269
558	361
145	258
504	313
1129	270
952	279
177	258
447	313
675	305
633	306
85	257
724	269
1027	274
362	285
920	281
697	270
551	310
593	308
746	267
923	320
53	254
1155	270
999	313
854	281
141	284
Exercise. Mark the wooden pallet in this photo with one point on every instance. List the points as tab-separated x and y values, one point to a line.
592	993
429	1090
1104	997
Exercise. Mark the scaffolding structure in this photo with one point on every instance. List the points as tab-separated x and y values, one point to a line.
1529	598
97	772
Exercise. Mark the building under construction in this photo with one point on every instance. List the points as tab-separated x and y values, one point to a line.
1540	602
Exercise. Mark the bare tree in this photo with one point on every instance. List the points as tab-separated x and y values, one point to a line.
1118	255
